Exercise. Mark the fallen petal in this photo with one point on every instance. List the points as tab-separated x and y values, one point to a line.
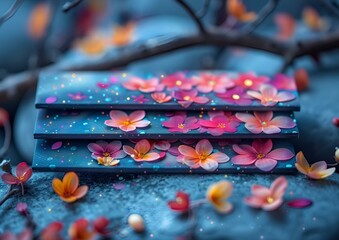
299	203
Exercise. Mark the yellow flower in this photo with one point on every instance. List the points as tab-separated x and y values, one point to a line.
218	193
107	161
317	170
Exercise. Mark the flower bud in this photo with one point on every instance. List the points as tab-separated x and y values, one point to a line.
336	155
6	166
136	222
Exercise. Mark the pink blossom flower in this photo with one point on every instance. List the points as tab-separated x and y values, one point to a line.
235	96
260	154
77	96
177	81
52	231
141	151
161	97
283	82
219	123
201	156
127	123
140	99
23	173
26	234
208	82
186	98
317	170
269	96
102	85
264	122
107	153
268	198
146	86
181	124
250	81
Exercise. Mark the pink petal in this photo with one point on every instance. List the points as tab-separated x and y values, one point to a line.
260	191
56	145
151	156
206	88
272	206
318	166
244	149
264	116
188	151
209	165
265	164
204	147
243	160
95	148
280	154
185	104
130	85
254	94
299	203
219	157
113	146
191	120
174	151
128	128
256	129
119	154
23	170
247	117
201	100
9	179
142	123
253	201
118	116
216	131
162	145
136	116
262	146
112	123
271	129
192	163
285	96
278	187
143	146
129	150
268	91
207	123
283	122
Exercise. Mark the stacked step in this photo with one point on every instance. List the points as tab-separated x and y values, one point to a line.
182	122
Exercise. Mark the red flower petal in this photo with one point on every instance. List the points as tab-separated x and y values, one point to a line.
9	179
100	226
56	145
299	203
181	202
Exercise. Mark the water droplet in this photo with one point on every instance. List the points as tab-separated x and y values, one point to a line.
52	166
49	159
85	123
289	165
74	148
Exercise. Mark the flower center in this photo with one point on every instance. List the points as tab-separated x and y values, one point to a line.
221	125
181	125
202	157
212	83
269	199
178	83
248	82
260	155
106	154
235	96
264	123
179	200
187	98
127	122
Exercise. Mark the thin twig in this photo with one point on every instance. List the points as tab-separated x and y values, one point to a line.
262	15
204	9
11	11
190	11
69	5
9	194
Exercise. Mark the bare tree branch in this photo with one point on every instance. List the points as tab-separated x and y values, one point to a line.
10	12
195	18
262	15
69	5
